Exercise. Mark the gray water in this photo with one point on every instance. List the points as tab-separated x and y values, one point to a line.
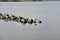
47	12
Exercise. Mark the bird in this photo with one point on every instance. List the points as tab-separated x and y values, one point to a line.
19	19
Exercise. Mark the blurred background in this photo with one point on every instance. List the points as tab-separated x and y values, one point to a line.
47	12
25	0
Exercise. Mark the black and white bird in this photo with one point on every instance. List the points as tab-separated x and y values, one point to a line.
10	17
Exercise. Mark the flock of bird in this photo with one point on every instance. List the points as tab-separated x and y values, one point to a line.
10	17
